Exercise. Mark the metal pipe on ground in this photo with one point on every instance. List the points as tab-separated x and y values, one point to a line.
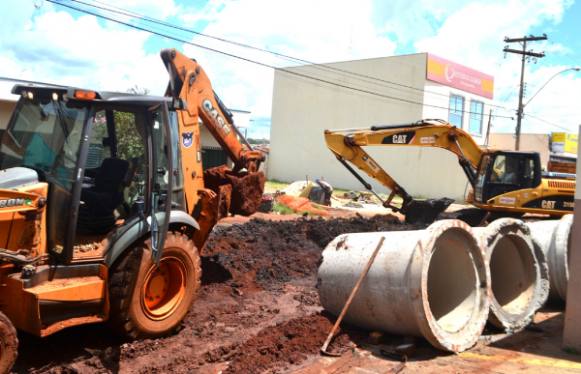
553	238
432	283
518	273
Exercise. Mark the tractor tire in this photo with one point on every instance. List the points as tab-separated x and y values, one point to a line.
150	301
8	344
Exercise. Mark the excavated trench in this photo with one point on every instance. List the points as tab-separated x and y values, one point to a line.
258	309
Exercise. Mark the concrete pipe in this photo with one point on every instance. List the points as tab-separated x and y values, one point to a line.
553	237
432	283
518	274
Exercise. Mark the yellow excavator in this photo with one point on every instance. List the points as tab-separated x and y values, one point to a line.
105	204
504	183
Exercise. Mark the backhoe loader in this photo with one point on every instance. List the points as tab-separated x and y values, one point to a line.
503	183
105	204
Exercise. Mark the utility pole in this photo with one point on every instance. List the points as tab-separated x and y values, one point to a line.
525	56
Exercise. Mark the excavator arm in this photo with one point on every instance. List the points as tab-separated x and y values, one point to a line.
212	193
347	145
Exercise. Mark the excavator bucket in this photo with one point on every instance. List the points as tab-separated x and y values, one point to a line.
247	188
425	211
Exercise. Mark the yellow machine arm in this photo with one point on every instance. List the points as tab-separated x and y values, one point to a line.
347	146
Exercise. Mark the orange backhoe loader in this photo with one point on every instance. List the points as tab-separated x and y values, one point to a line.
105	204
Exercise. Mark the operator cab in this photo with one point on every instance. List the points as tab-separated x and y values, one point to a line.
107	159
500	172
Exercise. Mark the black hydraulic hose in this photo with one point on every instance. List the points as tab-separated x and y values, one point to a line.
355	174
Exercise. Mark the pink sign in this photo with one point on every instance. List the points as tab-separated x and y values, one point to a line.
459	76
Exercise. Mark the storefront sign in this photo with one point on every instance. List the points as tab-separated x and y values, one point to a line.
458	76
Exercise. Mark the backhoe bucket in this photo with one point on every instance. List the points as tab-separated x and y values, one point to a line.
247	188
425	211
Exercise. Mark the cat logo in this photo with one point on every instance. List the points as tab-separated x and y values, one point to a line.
548	204
401	138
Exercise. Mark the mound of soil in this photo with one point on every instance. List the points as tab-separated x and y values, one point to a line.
285	344
265	254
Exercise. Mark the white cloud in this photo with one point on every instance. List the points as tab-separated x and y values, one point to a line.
473	35
49	44
320	31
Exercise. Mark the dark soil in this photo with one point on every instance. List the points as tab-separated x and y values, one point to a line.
258	309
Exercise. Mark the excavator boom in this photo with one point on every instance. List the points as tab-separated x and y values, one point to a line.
347	145
524	193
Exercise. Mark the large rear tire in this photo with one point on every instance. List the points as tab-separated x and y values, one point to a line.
8	344
149	300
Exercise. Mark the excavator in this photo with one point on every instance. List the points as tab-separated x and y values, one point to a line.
105	204
503	183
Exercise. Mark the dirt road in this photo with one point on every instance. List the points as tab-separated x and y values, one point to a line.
258	309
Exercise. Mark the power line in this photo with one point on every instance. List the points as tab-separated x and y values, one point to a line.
171	37
547	122
365	77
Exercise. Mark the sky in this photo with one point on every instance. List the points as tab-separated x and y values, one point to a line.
46	42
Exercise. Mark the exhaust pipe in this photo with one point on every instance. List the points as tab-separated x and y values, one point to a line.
432	283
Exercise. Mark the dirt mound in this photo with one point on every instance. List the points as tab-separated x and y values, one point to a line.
278	346
265	254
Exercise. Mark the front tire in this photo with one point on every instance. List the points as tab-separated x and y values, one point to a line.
8	344
149	300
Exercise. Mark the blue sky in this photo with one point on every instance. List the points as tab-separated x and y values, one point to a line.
52	43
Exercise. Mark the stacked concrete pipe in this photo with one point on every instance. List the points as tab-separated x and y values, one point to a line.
552	238
432	283
518	273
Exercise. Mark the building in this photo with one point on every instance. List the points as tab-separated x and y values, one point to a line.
410	88
528	143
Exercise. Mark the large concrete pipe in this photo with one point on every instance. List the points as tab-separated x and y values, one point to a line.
518	274
552	237
432	283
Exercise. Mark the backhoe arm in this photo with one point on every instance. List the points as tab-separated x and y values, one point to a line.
210	193
189	82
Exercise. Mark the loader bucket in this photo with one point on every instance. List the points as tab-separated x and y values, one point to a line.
247	188
425	211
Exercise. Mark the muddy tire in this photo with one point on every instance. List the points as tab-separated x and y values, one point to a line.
8	344
151	301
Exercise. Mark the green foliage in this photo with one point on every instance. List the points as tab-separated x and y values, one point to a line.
282	209
129	142
258	141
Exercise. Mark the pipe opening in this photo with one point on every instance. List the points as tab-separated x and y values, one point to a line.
452	281
513	275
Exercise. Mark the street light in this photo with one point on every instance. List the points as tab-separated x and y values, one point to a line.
520	112
547	82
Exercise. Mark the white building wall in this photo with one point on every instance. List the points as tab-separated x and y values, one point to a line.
302	109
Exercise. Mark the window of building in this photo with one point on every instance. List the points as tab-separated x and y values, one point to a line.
456	110
475	124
